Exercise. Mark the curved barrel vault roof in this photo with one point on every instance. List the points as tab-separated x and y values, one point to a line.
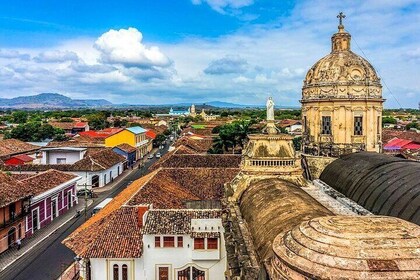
382	184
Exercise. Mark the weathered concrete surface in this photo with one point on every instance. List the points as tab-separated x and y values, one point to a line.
348	247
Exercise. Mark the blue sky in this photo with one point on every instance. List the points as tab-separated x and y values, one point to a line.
154	51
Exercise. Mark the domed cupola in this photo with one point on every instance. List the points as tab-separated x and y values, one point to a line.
341	67
341	101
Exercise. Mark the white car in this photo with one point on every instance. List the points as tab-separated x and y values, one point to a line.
157	155
150	156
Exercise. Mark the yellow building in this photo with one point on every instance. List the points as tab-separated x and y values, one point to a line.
134	136
341	102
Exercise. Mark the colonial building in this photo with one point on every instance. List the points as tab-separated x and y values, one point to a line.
341	102
14	206
134	136
53	194
166	225
281	226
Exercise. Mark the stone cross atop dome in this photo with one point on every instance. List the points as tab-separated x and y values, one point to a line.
340	40
340	17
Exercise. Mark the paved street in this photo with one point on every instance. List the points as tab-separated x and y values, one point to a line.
49	258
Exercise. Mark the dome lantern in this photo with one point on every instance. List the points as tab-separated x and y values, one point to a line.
340	40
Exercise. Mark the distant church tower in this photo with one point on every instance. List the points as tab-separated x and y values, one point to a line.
341	102
192	111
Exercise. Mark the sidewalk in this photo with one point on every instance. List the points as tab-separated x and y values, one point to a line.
11	255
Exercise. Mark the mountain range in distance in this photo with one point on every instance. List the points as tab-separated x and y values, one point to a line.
59	101
50	101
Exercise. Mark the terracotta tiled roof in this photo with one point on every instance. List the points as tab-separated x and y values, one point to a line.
76	143
389	134
80	124
94	161
126	148
200	146
171	188
176	221
184	150
11	147
85	235
47	180
198	160
11	190
100	160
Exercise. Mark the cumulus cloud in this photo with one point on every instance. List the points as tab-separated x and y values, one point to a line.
125	47
270	58
227	65
56	56
221	6
11	54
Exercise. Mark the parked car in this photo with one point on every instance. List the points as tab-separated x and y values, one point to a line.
82	192
101	205
157	155
150	156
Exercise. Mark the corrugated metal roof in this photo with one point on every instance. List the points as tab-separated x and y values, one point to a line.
136	129
382	184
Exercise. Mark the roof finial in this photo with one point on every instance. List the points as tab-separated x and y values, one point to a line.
340	16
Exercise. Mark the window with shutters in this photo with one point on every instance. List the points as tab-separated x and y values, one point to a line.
198	243
115	272
157	241
326	125
358	125
212	243
168	241
180	241
124	272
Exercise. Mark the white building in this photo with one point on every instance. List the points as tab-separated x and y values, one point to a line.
176	244
62	155
183	244
95	170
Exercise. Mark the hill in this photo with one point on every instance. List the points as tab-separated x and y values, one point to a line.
50	101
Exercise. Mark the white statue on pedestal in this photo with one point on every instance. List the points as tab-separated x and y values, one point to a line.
270	109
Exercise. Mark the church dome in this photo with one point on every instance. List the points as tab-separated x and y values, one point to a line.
342	73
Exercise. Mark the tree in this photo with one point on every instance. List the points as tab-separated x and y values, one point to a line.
388	119
412	125
35	131
232	135
20	117
97	121
160	138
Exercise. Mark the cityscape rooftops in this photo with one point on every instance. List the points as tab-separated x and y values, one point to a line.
10	147
136	129
176	221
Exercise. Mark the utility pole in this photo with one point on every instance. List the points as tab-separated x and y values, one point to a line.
86	197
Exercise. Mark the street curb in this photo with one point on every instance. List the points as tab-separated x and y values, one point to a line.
42	239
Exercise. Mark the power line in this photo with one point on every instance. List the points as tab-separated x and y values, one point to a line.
380	76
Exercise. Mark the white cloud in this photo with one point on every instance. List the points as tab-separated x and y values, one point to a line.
125	47
227	65
56	56
268	59
221	6
13	54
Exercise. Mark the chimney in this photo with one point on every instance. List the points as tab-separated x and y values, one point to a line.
141	215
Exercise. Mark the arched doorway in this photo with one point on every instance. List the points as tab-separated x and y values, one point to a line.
11	236
191	273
